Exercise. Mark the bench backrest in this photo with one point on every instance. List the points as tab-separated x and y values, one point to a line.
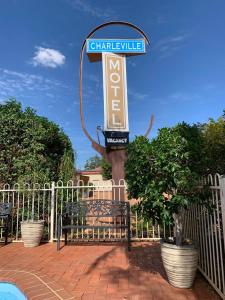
5	209
97	208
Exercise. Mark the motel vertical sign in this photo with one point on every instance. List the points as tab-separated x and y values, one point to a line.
113	54
115	99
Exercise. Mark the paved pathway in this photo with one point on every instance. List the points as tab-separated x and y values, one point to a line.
92	271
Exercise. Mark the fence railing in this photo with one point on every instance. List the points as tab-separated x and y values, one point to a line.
207	228
28	202
47	201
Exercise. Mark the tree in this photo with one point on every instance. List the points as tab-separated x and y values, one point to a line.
66	167
214	145
106	169
92	163
95	162
33	149
164	174
137	167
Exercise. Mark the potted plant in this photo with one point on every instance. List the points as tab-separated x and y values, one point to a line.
32	232
32	228
164	175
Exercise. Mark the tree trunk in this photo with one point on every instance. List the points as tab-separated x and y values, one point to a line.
178	228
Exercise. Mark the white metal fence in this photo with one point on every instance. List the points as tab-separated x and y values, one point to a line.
28	202
208	230
47	201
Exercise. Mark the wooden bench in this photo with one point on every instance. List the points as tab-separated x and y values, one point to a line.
117	212
5	216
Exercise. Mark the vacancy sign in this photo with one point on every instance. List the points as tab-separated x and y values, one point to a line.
115	92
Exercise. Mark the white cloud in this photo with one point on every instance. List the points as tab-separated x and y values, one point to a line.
131	63
94	78
48	57
92	9
23	85
167	46
183	97
137	95
177	97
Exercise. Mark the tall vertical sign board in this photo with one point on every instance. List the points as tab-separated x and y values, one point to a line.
116	126
113	54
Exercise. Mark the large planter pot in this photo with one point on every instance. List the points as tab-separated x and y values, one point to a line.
180	263
32	232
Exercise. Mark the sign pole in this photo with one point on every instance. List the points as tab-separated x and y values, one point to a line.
117	159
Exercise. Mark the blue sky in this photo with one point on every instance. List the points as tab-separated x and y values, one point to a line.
181	78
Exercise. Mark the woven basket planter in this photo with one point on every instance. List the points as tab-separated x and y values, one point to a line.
180	264
32	232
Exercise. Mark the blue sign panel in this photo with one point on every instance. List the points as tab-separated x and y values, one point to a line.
115	45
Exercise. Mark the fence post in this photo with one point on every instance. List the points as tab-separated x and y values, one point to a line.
52	212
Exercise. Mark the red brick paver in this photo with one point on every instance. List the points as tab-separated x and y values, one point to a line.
94	271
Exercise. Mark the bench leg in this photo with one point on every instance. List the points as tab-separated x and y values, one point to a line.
6	230
65	236
58	244
128	242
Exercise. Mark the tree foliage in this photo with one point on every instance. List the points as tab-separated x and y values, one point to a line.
137	167
214	145
92	163
106	169
97	161
164	173
32	148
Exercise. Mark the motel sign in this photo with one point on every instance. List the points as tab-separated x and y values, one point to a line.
115	46
113	54
116	126
115	92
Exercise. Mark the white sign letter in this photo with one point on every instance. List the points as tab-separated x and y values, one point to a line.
116	77
114	120
115	104
114	66
115	88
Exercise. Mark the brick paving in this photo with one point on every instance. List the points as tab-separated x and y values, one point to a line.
94	271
